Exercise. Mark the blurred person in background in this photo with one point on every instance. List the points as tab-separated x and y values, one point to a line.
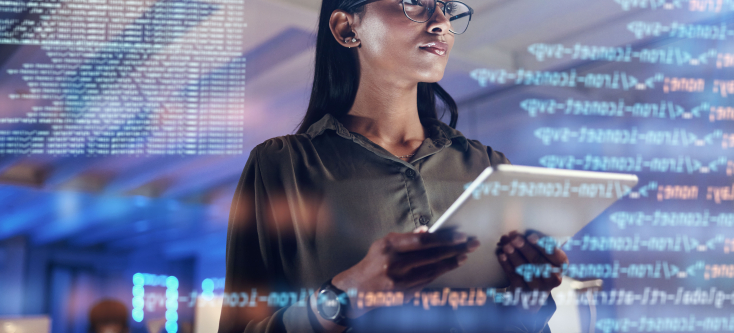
344	204
108	316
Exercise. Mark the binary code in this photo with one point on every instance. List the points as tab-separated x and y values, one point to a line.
126	77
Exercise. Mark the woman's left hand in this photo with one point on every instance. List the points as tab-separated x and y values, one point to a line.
514	250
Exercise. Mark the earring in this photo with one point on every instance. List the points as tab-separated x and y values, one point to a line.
347	40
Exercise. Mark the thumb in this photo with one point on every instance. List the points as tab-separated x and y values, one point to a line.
420	229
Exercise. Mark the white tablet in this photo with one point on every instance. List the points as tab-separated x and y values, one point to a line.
555	202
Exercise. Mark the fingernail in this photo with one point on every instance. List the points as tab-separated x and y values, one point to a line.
473	245
509	249
503	257
462	258
518	242
460	237
533	238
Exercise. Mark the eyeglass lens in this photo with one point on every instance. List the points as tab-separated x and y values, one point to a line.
458	13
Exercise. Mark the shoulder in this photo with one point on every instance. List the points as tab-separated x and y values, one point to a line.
281	143
470	146
281	149
495	157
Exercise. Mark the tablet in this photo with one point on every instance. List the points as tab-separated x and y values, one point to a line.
555	202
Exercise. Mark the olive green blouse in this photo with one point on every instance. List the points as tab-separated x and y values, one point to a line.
308	206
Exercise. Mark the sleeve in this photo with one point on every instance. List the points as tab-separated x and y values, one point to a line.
496	157
253	263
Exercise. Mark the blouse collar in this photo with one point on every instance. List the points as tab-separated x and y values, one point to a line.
440	133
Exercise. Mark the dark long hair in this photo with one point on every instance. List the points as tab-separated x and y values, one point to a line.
336	75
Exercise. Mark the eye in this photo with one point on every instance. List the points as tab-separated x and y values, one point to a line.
421	3
451	8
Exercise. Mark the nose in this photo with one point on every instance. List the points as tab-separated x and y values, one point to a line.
439	23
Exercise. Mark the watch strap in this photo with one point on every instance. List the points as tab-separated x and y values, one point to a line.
315	324
341	317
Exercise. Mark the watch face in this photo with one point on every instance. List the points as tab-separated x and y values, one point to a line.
328	304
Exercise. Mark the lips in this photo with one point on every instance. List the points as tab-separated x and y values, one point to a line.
438	48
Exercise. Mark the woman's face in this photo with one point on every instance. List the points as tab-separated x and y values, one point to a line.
402	50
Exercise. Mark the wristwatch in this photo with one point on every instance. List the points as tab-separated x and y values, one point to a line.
333	304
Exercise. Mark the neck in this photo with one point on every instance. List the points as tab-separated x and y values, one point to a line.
386	112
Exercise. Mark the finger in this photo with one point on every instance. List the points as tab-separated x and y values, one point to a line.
516	280
548	244
529	252
513	233
555	279
405	242
503	240
472	243
544	283
507	237
427	273
556	257
421	229
404	262
516	259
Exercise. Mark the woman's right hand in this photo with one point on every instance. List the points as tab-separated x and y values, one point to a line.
405	262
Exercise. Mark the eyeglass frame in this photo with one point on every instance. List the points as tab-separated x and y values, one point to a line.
436	2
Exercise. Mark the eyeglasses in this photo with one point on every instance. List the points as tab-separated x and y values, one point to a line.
459	14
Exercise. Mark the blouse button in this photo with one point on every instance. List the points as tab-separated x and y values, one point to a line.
423	220
410	173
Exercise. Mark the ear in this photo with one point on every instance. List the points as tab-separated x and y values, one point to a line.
341	25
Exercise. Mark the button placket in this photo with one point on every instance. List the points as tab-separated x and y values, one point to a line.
417	196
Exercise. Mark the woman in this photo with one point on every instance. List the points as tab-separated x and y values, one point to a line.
344	203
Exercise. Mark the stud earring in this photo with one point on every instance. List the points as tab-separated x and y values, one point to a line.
347	40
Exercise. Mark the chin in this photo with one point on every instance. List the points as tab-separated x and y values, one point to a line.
430	76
